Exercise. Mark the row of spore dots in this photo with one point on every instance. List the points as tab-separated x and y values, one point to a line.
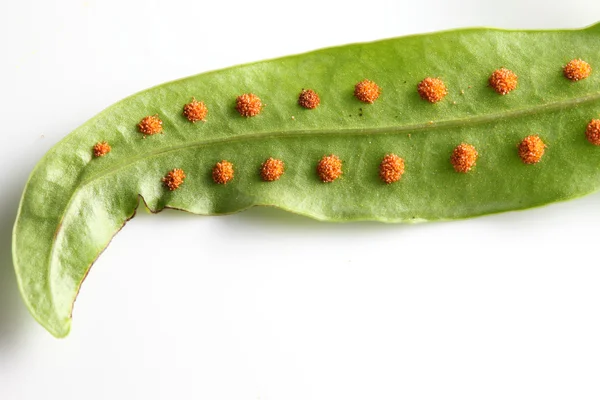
502	80
391	168
329	168
433	90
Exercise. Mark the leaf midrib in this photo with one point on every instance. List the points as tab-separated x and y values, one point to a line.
389	130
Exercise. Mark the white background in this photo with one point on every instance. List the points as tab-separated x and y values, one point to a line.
267	305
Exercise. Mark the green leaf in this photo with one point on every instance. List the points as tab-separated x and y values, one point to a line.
74	203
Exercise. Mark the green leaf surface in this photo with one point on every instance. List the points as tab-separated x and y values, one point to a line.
74	203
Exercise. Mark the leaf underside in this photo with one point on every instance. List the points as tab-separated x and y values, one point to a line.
74	203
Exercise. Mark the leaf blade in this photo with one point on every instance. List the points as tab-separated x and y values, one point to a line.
73	204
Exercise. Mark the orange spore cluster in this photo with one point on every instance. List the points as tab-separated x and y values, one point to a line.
503	81
174	178
592	132
391	168
151	125
577	69
222	172
464	157
248	105
531	149
309	99
367	91
101	149
432	89
195	111
329	168
271	169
